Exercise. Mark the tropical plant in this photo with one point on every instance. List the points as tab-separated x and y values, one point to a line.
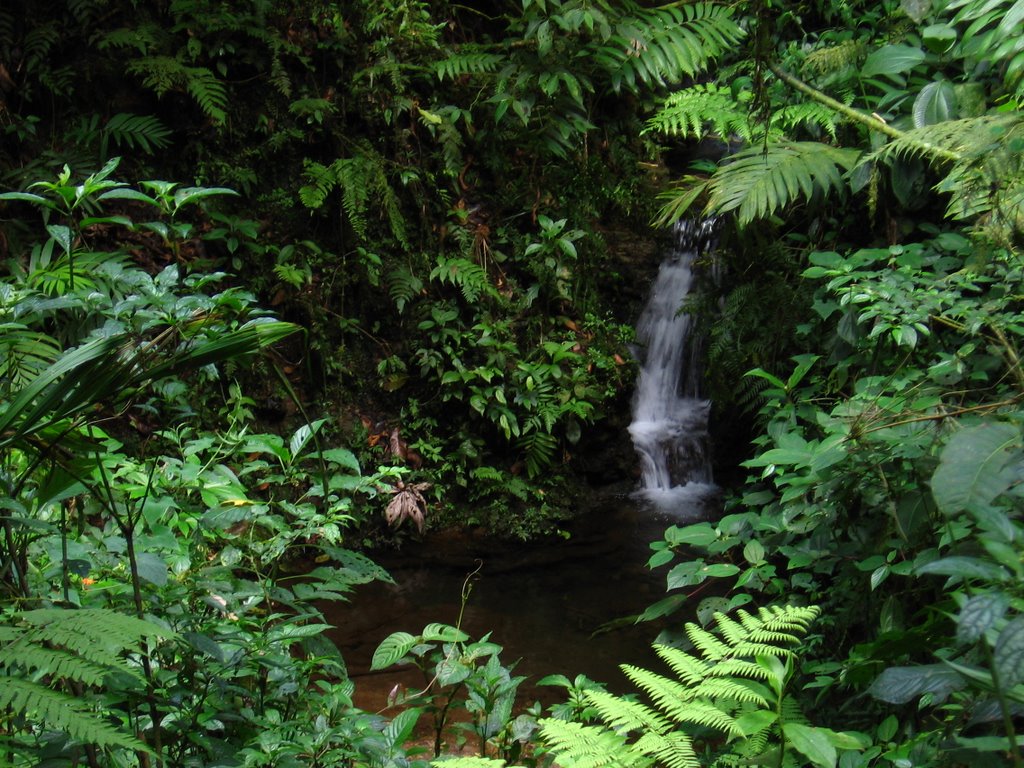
736	690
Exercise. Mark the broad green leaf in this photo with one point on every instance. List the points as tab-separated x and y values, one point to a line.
401	727
965	567
393	648
754	722
444	633
939	38
61	234
1009	653
936	103
812	743
898	685
892	60
342	457
973	467
151	568
978	614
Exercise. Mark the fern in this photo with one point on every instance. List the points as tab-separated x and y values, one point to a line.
834	59
657	46
467	63
165	74
469	277
988	175
709	693
992	35
538	451
362	180
700	111
143	132
80	646
403	285
758	183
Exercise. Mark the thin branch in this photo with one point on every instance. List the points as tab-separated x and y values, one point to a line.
873	122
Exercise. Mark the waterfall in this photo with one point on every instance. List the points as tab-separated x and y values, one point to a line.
670	419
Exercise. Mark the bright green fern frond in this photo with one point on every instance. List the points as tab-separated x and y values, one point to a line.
740	668
760	182
674	750
687	668
678	701
624	715
403	285
710	646
967	137
730	689
783	618
59	645
733	632
320	181
700	111
809	115
590	746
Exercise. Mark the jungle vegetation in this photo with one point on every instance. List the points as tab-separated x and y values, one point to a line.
283	280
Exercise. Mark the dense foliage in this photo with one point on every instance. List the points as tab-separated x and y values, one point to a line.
279	272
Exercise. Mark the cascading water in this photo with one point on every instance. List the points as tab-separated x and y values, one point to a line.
670	419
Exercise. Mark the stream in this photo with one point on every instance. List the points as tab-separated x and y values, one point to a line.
551	605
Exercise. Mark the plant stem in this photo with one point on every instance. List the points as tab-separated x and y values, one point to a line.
873	122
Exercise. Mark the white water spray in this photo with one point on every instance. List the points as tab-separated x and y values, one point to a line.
670	419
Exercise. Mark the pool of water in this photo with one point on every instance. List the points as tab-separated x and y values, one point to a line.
548	604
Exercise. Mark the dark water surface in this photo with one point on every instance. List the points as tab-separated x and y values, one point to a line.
545	603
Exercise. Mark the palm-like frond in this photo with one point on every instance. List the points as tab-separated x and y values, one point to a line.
657	46
988	175
759	182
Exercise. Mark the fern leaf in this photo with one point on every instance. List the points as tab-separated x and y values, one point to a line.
687	668
674	750
710	646
403	285
469	277
539	451
61	712
622	714
143	132
758	183
699	111
467	63
663	45
589	746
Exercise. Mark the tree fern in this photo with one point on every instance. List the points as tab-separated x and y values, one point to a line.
61	646
713	691
759	182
